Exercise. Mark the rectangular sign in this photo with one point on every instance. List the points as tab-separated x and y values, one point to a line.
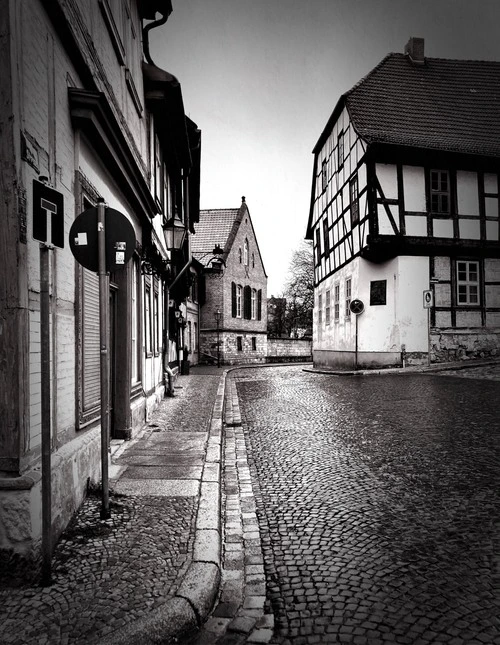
48	215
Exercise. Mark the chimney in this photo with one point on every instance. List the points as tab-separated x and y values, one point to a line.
415	50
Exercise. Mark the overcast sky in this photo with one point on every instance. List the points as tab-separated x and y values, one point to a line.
261	78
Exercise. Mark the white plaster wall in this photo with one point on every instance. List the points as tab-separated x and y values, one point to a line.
413	279
467	193
414	188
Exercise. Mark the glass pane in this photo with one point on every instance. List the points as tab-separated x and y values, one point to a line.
434	181
444	182
473	295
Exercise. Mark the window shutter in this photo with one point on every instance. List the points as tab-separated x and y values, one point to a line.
247	294
233	299
259	304
90	361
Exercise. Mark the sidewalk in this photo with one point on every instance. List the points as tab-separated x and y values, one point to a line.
154	567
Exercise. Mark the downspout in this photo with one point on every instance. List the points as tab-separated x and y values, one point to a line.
168	375
145	35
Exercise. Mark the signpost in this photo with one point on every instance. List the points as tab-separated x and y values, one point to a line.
102	240
428	297
48	229
357	307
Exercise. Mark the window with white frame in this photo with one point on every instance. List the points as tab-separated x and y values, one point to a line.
348	298
254	304
327	308
320	310
239	292
336	302
467	282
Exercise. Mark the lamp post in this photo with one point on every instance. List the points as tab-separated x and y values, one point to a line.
217	320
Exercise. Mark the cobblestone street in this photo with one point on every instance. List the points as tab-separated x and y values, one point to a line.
378	500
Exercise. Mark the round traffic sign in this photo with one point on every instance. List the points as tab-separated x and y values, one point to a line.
357	307
120	239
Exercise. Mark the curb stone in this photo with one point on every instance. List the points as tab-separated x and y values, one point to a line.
184	613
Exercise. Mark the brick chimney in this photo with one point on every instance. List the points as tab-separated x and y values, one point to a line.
415	50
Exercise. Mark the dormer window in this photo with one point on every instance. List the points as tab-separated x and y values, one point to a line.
440	191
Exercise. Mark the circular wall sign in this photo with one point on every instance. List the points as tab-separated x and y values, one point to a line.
357	307
120	239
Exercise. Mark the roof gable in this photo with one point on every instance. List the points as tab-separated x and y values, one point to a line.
219	226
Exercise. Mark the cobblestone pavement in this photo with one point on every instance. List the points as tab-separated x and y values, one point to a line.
378	501
109	573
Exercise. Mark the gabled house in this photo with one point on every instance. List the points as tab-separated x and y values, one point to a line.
404	215
233	314
84	119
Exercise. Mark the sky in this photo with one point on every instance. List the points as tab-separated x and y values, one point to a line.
260	78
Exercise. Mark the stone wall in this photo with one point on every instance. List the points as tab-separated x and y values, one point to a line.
462	344
288	349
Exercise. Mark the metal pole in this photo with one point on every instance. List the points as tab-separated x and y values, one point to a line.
46	425
218	341
356	346
104	342
428	336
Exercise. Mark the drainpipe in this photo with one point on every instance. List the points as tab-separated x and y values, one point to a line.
145	34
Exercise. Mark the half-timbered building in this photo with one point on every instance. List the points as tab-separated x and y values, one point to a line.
405	204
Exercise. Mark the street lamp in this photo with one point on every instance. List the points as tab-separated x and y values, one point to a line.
174	232
218	316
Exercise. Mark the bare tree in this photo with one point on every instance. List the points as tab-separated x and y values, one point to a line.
299	290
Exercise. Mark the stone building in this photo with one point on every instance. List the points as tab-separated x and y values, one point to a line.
84	119
233	313
404	215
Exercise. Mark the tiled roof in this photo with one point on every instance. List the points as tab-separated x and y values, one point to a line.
451	105
214	227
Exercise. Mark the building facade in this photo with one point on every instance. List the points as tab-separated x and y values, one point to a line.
405	215
233	312
84	119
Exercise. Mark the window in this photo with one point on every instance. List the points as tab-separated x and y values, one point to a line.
467	282
157	344
254	344
247	303
348	298
340	150
324	175
239	343
148	321
239	291
354	201
190	337
440	191
195	336
254	304
325	235
158	171
336	302
135	335
378	292
318	246
327	308
320	310
259	304
239	254
253	260
245	253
